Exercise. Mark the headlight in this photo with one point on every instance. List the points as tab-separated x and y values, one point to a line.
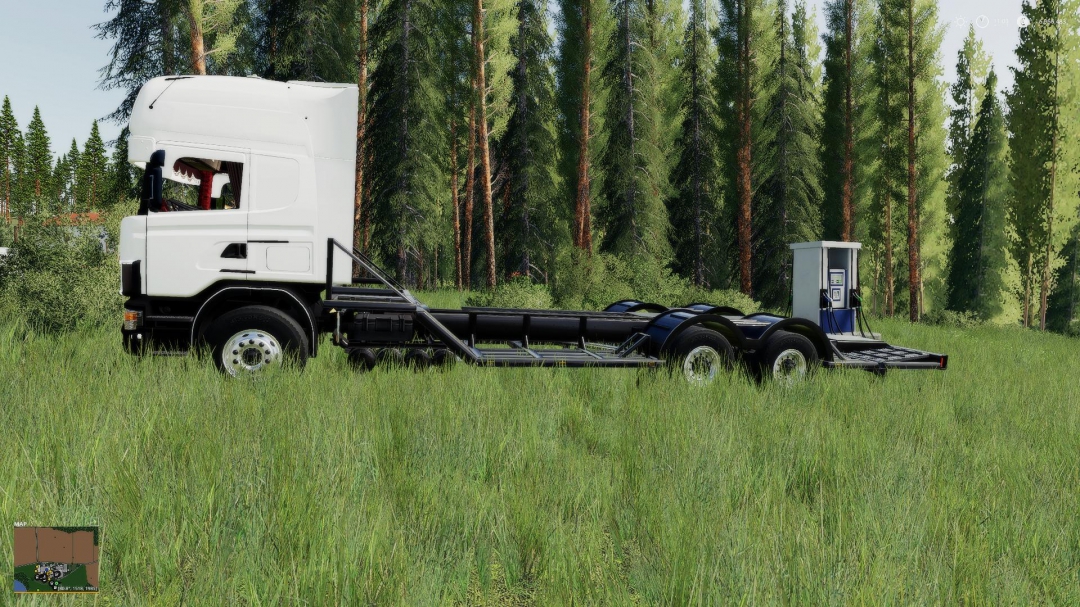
132	320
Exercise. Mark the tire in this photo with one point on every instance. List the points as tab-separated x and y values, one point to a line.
248	340
417	359
389	357
701	354
362	359
443	358
788	358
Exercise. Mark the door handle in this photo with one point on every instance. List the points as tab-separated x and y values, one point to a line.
236	250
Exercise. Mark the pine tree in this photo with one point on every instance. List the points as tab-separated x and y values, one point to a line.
405	134
122	177
10	150
583	26
36	177
978	260
306	39
362	189
884	225
211	30
147	42
91	173
790	195
530	221
744	42
65	182
971	64
456	85
1042	132
633	217
696	178
847	121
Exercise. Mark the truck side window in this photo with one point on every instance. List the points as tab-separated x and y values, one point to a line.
202	184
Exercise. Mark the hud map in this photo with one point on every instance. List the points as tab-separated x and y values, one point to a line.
56	559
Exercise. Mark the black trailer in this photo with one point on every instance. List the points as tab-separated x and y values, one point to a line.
381	320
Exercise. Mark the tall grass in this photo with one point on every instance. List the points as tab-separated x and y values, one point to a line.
550	487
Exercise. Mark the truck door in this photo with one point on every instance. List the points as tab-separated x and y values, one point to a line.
199	235
282	219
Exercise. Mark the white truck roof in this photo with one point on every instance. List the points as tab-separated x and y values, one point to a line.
311	118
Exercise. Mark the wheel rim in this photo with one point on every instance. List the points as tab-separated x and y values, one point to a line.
701	365
790	366
250	351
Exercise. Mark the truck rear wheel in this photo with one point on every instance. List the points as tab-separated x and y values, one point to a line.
362	359
788	357
251	339
702	354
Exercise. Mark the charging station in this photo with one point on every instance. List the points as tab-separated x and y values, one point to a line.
826	276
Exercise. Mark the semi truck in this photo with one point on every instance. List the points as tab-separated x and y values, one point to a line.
242	246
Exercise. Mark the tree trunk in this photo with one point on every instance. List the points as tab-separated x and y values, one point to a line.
1044	292
913	223
1027	289
744	155
198	51
696	185
403	137
582	210
470	194
849	128
455	203
482	136
361	128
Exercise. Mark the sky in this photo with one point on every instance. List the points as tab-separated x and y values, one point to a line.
54	58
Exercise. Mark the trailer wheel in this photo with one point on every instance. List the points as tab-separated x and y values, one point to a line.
362	359
389	357
443	358
702	354
417	360
251	339
788	357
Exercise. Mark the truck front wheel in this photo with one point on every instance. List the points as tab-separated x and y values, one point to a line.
251	339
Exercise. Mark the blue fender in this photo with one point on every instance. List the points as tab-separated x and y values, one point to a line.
666	327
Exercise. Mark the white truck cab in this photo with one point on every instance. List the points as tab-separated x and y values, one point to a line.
245	180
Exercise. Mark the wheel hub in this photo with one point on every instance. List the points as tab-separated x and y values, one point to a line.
250	351
790	366
701	365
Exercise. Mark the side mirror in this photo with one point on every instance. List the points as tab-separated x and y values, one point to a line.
150	200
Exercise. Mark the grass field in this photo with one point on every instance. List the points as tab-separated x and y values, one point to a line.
552	487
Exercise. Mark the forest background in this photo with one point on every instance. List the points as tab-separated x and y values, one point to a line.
547	151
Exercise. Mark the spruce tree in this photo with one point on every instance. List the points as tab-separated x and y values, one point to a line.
405	125
65	180
91	173
306	39
1042	139
848	97
36	177
978	260
583	26
788	204
744	40
633	218
10	150
530	222
122	176
147	42
696	178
